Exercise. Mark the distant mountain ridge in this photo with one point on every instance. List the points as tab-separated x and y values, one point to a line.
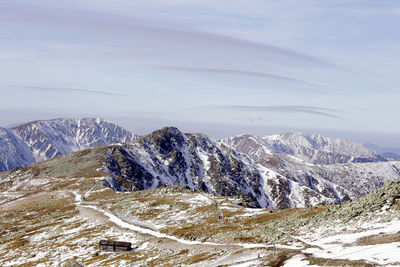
36	141
268	171
318	162
387	152
277	171
312	148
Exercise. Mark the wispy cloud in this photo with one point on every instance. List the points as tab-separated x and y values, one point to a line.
154	43
72	90
254	74
320	111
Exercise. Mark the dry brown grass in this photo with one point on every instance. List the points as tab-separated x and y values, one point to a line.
212	219
169	260
378	239
162	200
240	251
91	171
183	205
43	262
248	239
205	256
212	208
308	212
86	233
278	258
149	214
265	217
338	262
36	169
227	213
104	194
189	232
31	217
130	256
60	184
95	259
201	231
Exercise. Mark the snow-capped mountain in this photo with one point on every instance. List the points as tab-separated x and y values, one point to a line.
40	140
13	151
318	162
358	178
168	157
312	148
240	166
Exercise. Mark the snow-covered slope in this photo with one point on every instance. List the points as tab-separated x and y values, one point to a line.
312	148
318	162
40	140
358	178
13	151
168	157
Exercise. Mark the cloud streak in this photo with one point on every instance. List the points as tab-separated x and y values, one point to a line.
72	90
252	74
320	111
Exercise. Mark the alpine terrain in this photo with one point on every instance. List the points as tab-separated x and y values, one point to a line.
168	157
312	148
40	140
342	162
186	199
55	213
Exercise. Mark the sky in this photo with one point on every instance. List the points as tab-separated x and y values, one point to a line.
216	67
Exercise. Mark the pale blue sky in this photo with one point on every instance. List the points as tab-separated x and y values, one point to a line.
219	67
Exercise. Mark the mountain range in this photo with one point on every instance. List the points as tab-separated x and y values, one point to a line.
312	148
275	171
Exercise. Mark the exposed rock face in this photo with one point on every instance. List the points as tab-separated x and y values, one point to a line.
358	178
41	140
295	155
312	148
168	157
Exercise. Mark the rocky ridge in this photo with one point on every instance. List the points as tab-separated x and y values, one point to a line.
41	140
294	159
312	148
